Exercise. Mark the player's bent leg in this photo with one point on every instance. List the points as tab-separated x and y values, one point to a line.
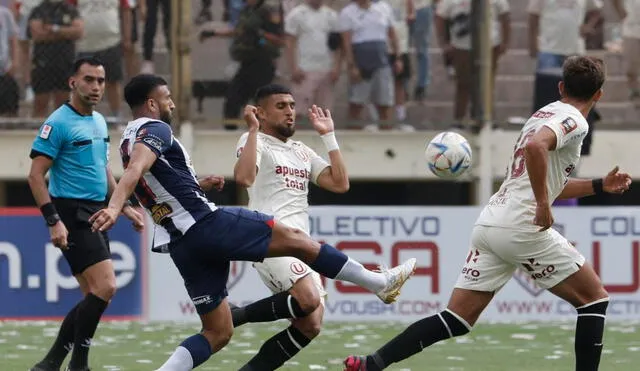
300	301
332	263
216	333
464	308
584	290
285	345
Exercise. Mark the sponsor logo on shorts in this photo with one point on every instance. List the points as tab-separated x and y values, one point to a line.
204	299
298	268
160	211
529	284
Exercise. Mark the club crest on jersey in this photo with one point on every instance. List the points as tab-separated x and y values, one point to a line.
160	211
46	131
568	125
298	268
302	154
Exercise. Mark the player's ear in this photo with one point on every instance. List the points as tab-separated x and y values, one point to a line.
561	88
598	95
260	113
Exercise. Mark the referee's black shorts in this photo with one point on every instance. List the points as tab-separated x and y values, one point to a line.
86	248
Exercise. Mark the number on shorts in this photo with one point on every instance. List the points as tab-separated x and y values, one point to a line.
518	163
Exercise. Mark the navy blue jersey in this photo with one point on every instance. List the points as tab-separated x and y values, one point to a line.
169	191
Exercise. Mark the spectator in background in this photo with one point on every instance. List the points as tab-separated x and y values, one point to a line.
313	54
458	12
257	39
420	35
629	12
403	14
9	92
129	13
367	28
557	29
25	7
150	28
103	39
54	25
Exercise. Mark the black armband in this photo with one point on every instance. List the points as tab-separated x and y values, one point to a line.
597	185
50	214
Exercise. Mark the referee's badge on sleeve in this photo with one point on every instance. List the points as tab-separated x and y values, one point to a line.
46	131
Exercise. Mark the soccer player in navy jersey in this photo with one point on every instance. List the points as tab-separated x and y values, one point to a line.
202	238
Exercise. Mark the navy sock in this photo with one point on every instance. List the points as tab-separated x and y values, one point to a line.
199	348
329	261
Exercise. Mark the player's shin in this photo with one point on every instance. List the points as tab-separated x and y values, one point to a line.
589	333
279	306
333	263
277	350
418	336
193	351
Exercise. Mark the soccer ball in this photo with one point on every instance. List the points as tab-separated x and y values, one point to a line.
448	155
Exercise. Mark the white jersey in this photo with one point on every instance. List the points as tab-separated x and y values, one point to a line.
281	186
169	191
514	205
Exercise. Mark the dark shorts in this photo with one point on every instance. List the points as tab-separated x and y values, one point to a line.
204	253
51	77
9	96
111	59
86	248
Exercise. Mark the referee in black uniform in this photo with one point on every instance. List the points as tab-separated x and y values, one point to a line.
73	146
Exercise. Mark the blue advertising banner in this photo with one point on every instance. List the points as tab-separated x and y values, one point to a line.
35	279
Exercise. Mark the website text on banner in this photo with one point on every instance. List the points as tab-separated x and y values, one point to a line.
35	280
439	238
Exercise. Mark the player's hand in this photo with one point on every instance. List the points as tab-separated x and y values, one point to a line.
616	182
212	181
251	118
321	120
104	219
137	220
59	235
543	218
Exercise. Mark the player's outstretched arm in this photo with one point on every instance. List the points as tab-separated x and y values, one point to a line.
614	182
245	170
334	177
141	160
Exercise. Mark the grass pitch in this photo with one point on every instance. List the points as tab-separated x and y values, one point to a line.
490	347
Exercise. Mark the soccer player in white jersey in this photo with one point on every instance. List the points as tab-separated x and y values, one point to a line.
514	230
203	238
277	171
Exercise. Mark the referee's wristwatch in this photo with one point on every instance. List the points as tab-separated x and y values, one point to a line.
52	220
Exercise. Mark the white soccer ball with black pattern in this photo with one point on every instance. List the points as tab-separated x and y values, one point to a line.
448	155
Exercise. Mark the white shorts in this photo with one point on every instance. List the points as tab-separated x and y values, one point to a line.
280	274
495	253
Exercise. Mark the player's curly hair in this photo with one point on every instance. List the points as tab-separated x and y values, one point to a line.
583	76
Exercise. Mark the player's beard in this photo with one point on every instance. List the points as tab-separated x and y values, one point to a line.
285	130
166	117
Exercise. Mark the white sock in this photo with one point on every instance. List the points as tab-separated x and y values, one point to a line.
354	272
180	360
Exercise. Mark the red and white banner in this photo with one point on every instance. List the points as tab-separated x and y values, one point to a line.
438	237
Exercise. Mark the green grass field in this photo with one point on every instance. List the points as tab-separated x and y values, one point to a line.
491	347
